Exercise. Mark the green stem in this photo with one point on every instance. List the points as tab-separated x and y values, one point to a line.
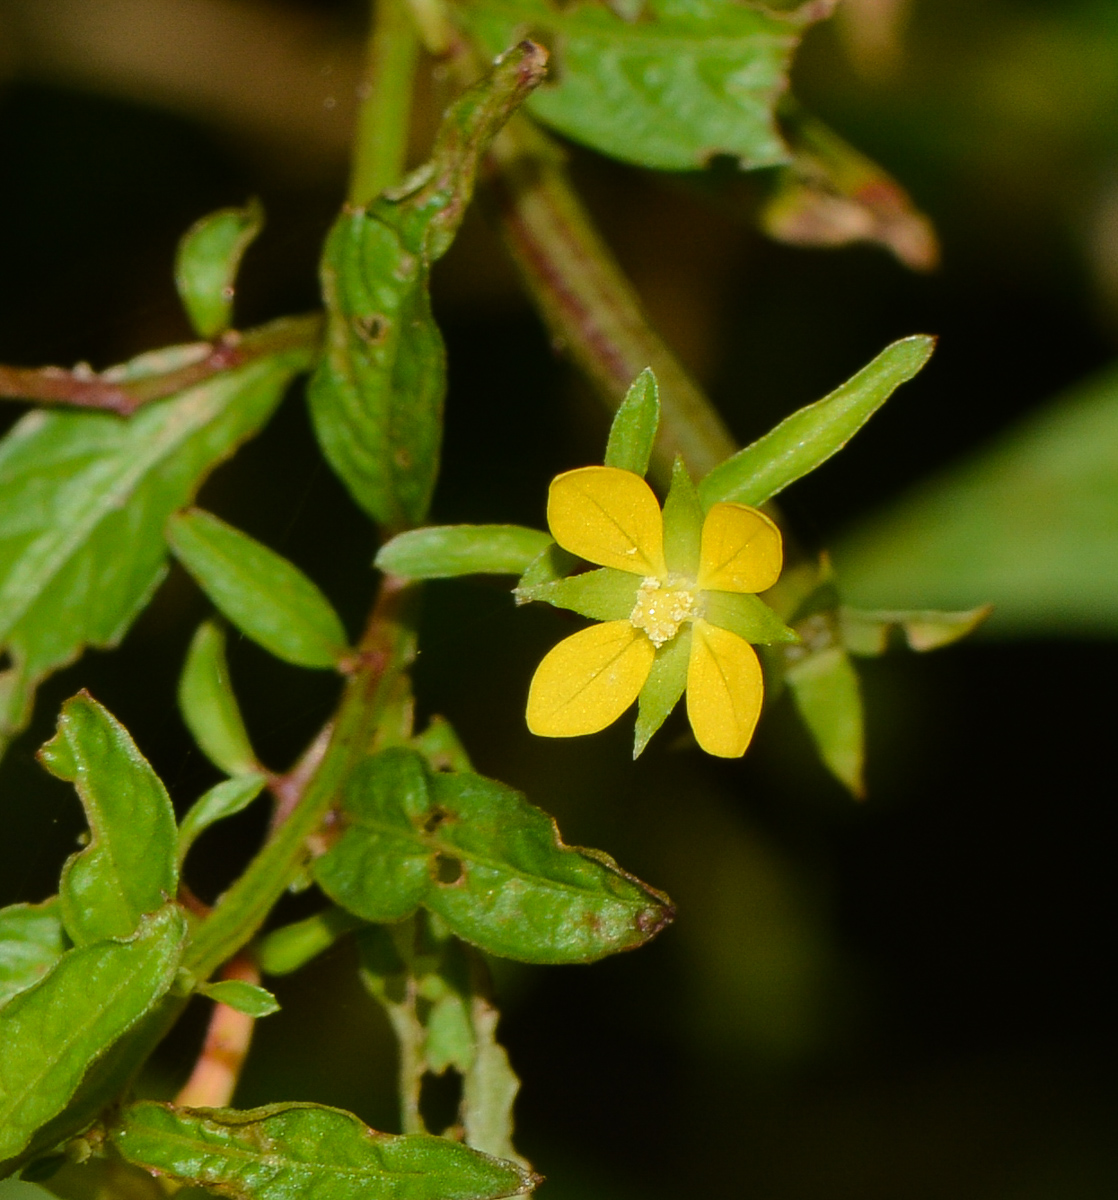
380	151
387	649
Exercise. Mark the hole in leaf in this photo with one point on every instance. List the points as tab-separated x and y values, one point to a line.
448	871
434	819
440	1098
372	327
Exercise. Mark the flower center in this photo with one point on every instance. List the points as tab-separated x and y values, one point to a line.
662	606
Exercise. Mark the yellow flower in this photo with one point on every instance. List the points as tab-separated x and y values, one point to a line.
676	594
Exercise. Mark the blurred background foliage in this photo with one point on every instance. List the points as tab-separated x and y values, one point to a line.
907	997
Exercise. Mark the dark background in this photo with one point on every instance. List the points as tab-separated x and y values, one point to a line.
906	997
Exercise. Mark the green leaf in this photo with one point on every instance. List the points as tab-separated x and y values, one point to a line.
210	708
666	683
807	438
1026	524
268	598
441	746
603	595
634	426
32	940
868	633
51	1034
444	551
552	563
207	261
489	863
292	946
224	799
376	398
245	997
683	523
689	80
825	688
289	1150
84	497
129	867
489	1087
748	616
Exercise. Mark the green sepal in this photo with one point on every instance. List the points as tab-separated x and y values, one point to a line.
32	940
445	551
807	438
490	864
292	946
748	616
663	689
207	261
210	708
284	1150
224	799
634	426
268	598
825	688
129	867
552	563
867	633
603	595
245	997
683	523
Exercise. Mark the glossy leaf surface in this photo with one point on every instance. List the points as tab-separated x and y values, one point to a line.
376	398
83	500
31	942
443	551
807	438
52	1033
268	598
489	863
207	262
634	426
129	867
288	1151
685	81
210	708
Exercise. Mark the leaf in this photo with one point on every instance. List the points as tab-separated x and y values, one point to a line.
224	799
376	398
441	746
129	867
84	497
807	438
268	598
552	563
207	261
1026	524
689	80
292	946
868	633
31	941
52	1033
444	551
210	708
825	688
289	1150
603	595
489	863
634	426
245	997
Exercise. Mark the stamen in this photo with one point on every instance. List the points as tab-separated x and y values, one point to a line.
662	606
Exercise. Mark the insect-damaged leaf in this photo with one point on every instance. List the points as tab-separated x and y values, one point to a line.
376	398
84	497
52	1033
488	862
289	1150
129	867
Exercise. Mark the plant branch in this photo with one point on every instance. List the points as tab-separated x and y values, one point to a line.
112	390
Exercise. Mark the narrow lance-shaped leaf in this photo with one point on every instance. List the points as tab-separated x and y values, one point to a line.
210	708
867	632
489	863
634	426
51	1034
207	261
444	551
224	799
290	1150
32	940
807	438
245	997
376	398
129	867
268	598
686	81
83	500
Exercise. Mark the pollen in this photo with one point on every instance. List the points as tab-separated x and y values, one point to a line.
662	606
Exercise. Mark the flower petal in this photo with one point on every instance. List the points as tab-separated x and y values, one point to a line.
609	517
724	690
588	680
741	551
